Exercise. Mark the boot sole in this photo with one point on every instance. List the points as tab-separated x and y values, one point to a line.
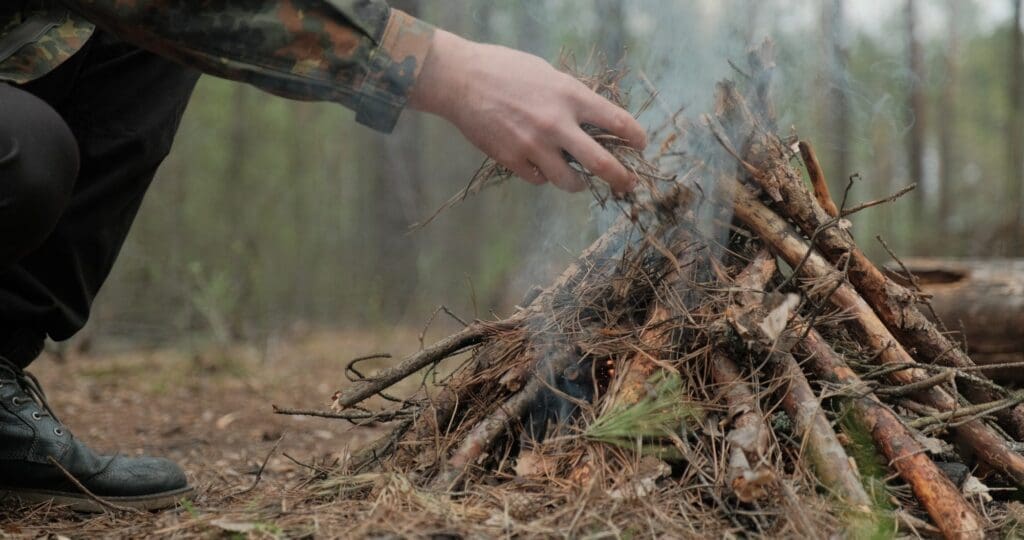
82	503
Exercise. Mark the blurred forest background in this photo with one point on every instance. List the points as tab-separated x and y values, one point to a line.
272	216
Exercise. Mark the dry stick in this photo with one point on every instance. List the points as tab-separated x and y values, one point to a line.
263	467
942	500
971	412
748	434
817	175
486	432
631	382
788	244
830	461
385	416
467	337
894	304
876	202
946	376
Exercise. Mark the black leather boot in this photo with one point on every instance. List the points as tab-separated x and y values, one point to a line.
37	454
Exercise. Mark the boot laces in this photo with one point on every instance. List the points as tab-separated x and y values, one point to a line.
28	383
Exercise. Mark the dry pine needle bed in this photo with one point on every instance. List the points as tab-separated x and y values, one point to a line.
724	360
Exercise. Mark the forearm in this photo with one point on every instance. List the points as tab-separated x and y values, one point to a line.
359	53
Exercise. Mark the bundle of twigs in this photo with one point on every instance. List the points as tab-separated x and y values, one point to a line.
766	380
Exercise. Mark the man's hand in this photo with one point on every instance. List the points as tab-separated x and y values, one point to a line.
523	113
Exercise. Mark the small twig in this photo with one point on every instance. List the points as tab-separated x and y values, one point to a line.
810	251
817	175
945	377
371	416
983	367
318	470
430	321
916	284
1000	405
263	467
876	202
92	496
973	412
846	192
354	375
467	337
472	297
724	141
960	373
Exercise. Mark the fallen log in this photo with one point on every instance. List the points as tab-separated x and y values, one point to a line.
983	299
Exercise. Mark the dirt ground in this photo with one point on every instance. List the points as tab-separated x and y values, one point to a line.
210	409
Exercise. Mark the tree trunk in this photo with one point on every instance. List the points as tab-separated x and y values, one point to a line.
1015	137
916	103
838	110
396	194
948	159
612	30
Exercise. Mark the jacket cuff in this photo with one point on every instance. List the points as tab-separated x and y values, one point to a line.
394	67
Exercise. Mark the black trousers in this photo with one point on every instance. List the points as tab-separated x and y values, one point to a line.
78	149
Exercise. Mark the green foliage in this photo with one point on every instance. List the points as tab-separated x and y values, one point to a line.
652	424
880	523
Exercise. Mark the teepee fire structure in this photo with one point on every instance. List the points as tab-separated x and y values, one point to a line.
724	359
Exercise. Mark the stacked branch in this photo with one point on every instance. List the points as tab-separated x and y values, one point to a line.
679	365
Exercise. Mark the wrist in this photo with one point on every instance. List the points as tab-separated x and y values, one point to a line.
441	83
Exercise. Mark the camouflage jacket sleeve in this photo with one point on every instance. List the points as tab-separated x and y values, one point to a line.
359	53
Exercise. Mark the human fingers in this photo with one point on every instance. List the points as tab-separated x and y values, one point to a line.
599	161
604	114
528	172
557	171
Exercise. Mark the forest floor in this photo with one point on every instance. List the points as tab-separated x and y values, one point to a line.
210	409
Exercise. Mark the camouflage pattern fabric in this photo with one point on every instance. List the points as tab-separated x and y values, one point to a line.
359	53
65	35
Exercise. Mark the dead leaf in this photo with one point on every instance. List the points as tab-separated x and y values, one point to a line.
973	486
775	323
645	481
753	485
234	526
532	463
224	421
335	406
932	445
